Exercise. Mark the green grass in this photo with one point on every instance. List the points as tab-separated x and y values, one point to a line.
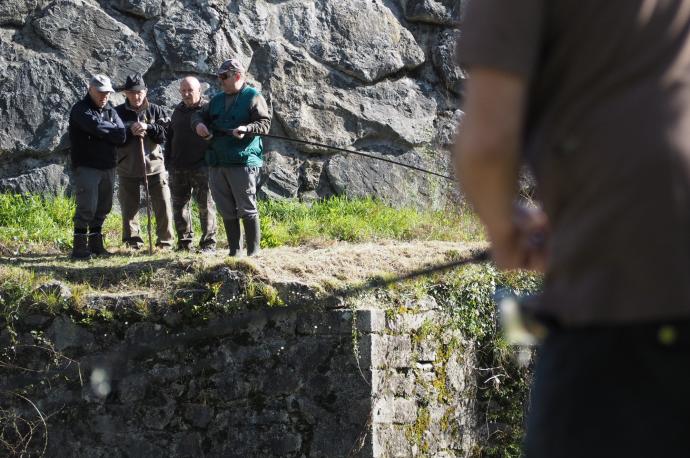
35	224
290	222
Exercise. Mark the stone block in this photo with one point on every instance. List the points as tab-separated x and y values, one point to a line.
404	410
66	335
198	415
371	321
382	410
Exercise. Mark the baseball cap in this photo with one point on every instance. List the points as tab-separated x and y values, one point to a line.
101	83
231	65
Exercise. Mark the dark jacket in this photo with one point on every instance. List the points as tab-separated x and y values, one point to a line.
129	156
184	149
94	133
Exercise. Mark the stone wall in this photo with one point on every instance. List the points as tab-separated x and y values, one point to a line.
378	76
272	382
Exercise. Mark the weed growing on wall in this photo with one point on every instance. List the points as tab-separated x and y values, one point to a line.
503	382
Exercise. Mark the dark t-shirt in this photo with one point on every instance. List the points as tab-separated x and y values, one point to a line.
608	136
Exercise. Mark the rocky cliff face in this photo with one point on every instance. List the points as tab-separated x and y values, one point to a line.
373	75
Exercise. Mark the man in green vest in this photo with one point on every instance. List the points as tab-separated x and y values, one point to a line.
234	158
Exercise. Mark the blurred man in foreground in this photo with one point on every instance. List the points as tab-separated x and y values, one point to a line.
595	96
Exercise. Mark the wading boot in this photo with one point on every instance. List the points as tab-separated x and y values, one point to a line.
234	233
252	230
96	244
80	249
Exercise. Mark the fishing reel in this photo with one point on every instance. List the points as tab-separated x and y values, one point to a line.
519	319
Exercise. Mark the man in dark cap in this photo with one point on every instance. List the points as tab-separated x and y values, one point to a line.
595	96
184	160
95	129
145	128
233	157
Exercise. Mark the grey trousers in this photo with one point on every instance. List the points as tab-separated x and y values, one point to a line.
185	184
129	193
234	190
94	196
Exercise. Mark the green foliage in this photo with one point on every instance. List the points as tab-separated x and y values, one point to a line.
503	384
44	221
289	222
47	222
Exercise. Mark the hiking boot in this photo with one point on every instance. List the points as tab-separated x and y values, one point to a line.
184	246
252	230
164	246
134	243
96	244
80	248
208	249
234	233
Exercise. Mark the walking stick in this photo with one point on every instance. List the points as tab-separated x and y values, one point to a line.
148	197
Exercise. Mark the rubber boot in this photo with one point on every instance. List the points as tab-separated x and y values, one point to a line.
96	244
252	230
80	249
234	233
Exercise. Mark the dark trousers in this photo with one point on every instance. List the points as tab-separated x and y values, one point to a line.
93	190
615	391
185	185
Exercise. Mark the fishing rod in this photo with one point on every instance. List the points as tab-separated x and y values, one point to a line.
348	151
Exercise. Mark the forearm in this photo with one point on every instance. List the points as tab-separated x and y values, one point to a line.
488	176
260	116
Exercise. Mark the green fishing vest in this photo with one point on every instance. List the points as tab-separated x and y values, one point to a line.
225	150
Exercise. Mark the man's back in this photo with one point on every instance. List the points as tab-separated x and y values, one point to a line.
606	133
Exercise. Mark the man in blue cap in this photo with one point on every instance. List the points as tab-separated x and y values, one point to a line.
234	158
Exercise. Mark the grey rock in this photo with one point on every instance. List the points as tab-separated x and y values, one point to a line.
188	445
50	179
194	40
66	335
359	177
158	417
132	388
447	125
198	415
37	91
282	176
36	321
342	113
15	12
55	288
358	37
144	8
445	61
442	12
91	40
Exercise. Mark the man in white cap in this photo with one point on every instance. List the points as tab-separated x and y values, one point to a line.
234	158
95	129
